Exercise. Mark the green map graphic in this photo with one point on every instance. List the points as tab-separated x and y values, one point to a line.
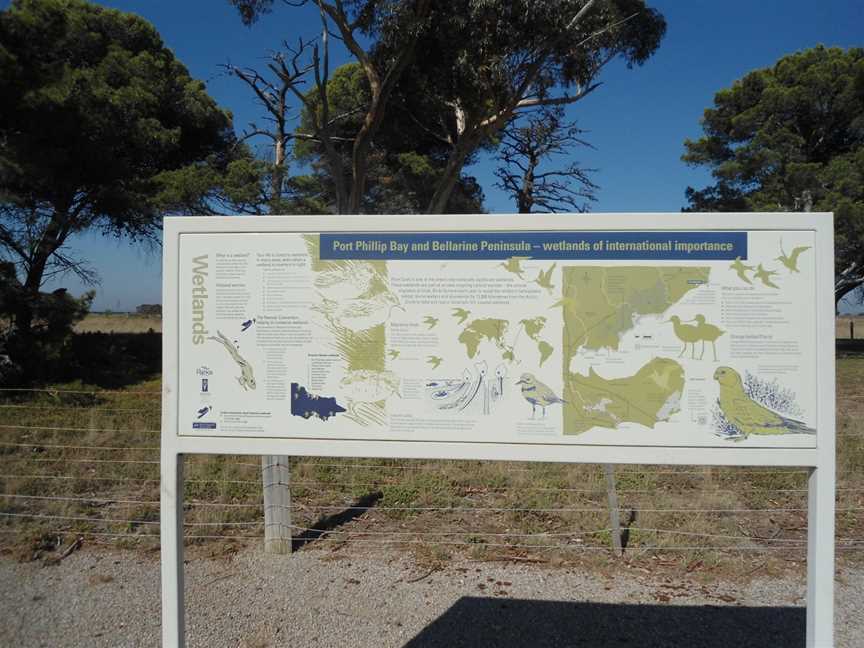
600	304
495	331
653	394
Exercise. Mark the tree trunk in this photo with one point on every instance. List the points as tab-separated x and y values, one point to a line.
467	143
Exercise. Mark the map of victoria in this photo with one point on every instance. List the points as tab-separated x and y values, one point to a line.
620	337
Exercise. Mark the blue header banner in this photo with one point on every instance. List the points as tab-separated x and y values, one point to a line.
425	246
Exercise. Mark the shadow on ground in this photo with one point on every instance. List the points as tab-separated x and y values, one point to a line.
512	623
329	522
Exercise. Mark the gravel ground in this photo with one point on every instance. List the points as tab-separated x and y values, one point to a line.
111	598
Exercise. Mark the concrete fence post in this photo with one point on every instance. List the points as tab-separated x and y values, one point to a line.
277	504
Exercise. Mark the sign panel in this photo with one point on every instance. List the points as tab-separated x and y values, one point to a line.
685	338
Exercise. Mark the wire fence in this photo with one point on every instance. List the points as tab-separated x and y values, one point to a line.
78	462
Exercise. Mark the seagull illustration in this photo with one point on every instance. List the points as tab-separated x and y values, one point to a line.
461	314
764	276
741	269
791	261
746	414
536	393
514	265
431	321
393	353
434	361
544	279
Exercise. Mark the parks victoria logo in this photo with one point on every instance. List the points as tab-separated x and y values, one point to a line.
203	374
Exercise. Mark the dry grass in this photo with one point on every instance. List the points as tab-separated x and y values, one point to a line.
119	323
485	510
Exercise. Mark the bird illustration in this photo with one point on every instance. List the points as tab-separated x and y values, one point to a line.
369	385
245	325
514	265
746	414
686	333
360	313
791	261
431	321
707	333
536	393
246	377
741	269
393	353
203	411
544	279
461	314
764	276
434	361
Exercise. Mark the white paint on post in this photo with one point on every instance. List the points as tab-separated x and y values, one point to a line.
277	504
171	549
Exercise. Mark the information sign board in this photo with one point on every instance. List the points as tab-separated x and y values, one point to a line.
680	338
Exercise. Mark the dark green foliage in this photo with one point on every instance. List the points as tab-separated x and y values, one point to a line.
791	138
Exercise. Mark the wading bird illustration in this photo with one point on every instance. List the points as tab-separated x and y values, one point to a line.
544	279
687	333
764	276
393	353
431	321
514	265
461	314
246	377
707	333
434	361
746	414
536	393
791	261
741	269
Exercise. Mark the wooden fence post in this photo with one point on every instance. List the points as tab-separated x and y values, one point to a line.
614	514
277	504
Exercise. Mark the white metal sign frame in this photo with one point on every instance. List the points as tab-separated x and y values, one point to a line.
820	460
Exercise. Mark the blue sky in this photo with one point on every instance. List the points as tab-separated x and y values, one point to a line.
637	121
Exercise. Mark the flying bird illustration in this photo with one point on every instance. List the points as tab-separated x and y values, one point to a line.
245	325
536	393
514	265
746	414
393	353
461	314
791	261
431	321
203	411
764	276
434	361
544	279
741	269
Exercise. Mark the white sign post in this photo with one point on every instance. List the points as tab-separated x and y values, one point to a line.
690	339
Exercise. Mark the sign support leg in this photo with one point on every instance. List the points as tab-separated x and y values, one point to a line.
171	532
277	504
820	557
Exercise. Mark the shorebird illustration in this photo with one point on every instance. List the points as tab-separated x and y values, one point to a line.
431	321
514	265
536	393
707	333
434	361
746	414
741	269
764	276
360	313
686	333
246	377
791	261
544	279
461	314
